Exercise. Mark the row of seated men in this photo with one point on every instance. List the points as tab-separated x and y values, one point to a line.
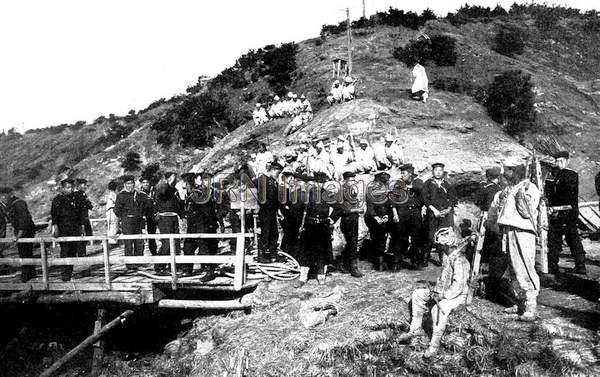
292	107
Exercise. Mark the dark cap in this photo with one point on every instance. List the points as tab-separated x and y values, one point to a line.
67	180
437	164
348	174
381	174
142	179
407	167
81	181
562	154
187	176
492	173
320	177
203	174
276	165
128	178
5	190
288	173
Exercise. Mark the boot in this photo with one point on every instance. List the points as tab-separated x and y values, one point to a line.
529	311
580	264
354	271
434	345
409	335
209	274
380	259
303	278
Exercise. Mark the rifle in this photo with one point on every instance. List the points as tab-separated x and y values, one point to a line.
351	142
477	258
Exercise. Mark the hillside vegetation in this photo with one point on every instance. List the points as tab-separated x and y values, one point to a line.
548	56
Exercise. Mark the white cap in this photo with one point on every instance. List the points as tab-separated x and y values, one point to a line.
363	141
348	79
295	96
336	82
389	138
302	97
320	145
276	98
290	94
339	146
258	104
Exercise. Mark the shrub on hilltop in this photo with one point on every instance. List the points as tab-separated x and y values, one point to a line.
440	49
131	162
508	42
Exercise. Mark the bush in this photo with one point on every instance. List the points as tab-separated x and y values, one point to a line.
78	125
116	131
440	49
131	162
152	173
279	66
546	21
510	101
508	42
461	86
468	13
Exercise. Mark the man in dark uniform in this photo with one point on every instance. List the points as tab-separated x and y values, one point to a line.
318	227
146	188
291	208
18	215
377	216
440	198
3	224
202	217
564	191
348	210
268	201
67	221
130	207
167	211
407	221
84	206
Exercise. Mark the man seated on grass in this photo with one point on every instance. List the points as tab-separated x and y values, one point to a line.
449	292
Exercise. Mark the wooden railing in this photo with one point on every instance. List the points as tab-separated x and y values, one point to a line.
238	259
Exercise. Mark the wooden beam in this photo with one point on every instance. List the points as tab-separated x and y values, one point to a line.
118	260
127	237
106	259
44	255
130	298
204	304
173	263
239	270
99	345
87	342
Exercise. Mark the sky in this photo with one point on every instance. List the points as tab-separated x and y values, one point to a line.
67	60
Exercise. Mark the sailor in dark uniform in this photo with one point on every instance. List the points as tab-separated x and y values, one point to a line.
564	191
18	215
84	205
377	216
147	188
268	200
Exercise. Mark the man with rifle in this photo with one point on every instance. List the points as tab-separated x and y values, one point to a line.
563	191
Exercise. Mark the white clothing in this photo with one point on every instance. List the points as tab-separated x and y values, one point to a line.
421	82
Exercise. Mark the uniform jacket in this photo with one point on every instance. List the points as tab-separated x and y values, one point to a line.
378	203
504	206
564	190
486	194
415	196
268	192
317	208
167	200
132	205
201	206
65	211
441	196
350	203
3	221
454	279
19	216
83	203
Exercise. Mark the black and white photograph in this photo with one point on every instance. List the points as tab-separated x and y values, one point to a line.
333	188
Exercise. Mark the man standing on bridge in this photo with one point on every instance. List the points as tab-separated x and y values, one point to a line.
84	205
146	188
130	207
23	226
564	191
67	221
167	210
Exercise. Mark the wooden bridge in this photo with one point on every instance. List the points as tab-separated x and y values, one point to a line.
101	275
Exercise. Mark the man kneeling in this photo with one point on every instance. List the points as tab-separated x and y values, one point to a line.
449	292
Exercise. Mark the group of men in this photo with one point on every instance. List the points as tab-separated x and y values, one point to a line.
342	93
293	106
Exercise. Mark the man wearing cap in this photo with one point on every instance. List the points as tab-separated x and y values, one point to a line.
348	91
19	216
377	215
67	221
84	204
291	208
202	214
514	209
440	198
268	201
306	107
393	152
348	211
406	228
492	244
340	160
148	190
564	191
168	208
259	115
262	160
335	93
365	157
130	207
297	106
276	110
320	162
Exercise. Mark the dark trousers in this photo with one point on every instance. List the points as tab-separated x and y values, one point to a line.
290	225
151	229
132	247
408	231
564	224
236	227
433	225
269	234
69	249
167	225
317	246
82	246
349	228
26	251
205	246
378	234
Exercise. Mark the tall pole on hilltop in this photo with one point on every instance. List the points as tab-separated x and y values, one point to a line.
349	41
364	13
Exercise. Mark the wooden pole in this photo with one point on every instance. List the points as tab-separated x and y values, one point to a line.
44	255
255	225
349	42
106	258
364	12
542	218
173	263
99	345
87	342
239	272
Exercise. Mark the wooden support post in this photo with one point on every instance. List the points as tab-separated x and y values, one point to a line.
44	255
173	264
349	66
87	342
542	220
106	258
255	225
99	345
240	270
